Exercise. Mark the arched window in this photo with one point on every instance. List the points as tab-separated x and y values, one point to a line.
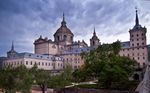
58	38
93	42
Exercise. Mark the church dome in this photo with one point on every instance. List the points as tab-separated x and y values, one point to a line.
63	29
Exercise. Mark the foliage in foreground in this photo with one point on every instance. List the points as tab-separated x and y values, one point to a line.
107	66
21	79
18	79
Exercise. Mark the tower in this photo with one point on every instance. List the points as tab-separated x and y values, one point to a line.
94	41
138	47
12	52
137	34
63	35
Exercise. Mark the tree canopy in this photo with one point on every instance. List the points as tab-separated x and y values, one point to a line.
106	65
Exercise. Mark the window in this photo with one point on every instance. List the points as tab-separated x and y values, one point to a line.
137	44
128	55
137	39
26	62
143	43
133	54
49	64
39	63
142	34
42	63
46	64
132	35
132	44
58	38
138	58
31	63
143	57
137	35
65	37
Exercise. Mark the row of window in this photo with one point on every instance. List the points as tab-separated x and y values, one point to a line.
137	39
137	35
52	58
132	49
13	63
137	44
71	59
42	63
134	57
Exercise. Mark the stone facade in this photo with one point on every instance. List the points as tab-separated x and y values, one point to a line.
136	48
46	62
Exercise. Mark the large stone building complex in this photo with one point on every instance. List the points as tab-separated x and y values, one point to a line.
54	55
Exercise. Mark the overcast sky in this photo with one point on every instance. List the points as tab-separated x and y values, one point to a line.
23	21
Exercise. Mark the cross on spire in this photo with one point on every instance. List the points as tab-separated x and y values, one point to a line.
63	23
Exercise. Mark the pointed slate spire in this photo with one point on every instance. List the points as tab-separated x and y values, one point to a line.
12	46
94	34
137	19
63	23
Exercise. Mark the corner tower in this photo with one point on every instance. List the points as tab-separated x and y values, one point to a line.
137	34
12	52
63	35
138	47
94	41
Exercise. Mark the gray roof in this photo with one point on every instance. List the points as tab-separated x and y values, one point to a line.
125	44
36	56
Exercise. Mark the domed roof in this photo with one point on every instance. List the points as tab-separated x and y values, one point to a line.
63	28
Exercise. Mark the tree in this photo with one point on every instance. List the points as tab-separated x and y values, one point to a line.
105	64
61	80
15	79
42	77
23	80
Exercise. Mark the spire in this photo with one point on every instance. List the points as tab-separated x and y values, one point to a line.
12	46
63	23
137	19
94	34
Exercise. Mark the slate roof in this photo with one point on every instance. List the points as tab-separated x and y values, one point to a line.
36	56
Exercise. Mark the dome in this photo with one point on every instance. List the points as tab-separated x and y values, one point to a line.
63	29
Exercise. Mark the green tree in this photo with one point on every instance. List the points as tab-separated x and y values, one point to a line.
105	64
42	77
23	80
61	80
15	79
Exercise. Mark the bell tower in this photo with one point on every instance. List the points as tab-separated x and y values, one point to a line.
94	41
137	34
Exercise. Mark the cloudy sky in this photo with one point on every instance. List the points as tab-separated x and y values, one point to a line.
23	21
